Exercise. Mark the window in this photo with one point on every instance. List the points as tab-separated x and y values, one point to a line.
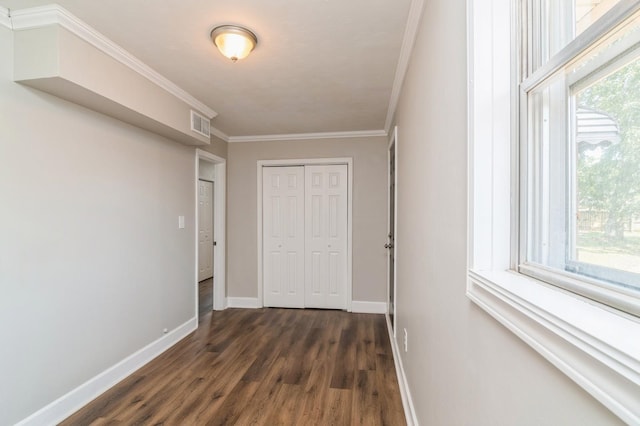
554	184
580	150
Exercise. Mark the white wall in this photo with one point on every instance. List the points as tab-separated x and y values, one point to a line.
369	209
92	264
463	367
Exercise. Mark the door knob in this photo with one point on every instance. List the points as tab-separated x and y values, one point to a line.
388	246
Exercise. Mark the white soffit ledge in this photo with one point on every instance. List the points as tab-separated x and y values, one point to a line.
4	17
307	136
219	134
37	17
411	31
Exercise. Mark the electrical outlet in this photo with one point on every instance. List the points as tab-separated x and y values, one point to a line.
405	340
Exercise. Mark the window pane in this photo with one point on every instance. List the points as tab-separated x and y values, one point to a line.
583	164
608	172
588	11
558	22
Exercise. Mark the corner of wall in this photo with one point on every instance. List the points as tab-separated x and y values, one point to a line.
218	146
5	19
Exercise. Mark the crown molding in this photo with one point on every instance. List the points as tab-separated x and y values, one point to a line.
307	136
37	17
409	39
5	19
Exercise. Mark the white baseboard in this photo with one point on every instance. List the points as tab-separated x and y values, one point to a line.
405	393
68	404
242	302
356	306
224	304
361	307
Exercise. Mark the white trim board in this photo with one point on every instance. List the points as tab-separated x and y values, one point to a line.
411	31
219	133
41	16
243	302
560	328
393	141
405	393
219	228
307	136
363	307
68	404
5	19
303	162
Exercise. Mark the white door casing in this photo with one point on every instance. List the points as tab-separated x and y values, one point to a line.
283	236
205	230
326	236
219	228
392	204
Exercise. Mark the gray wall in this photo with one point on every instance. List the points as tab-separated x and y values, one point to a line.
93	266
463	367
217	147
369	209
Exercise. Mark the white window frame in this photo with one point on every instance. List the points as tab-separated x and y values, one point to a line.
557	274
596	346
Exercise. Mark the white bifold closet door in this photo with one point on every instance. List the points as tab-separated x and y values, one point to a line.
283	236
326	236
305	236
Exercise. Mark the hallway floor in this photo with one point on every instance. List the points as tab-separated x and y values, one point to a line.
263	367
205	298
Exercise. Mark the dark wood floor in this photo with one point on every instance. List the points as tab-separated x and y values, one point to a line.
263	367
205	297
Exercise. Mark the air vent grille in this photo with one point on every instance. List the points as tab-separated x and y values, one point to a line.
200	124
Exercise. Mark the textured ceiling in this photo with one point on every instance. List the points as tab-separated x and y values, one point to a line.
320	65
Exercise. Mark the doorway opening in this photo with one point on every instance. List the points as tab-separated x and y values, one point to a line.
206	237
210	233
391	242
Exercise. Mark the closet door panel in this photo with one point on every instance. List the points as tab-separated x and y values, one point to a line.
283	236
326	236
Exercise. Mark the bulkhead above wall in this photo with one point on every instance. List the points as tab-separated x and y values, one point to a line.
57	53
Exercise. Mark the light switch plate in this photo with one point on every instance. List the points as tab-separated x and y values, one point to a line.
180	222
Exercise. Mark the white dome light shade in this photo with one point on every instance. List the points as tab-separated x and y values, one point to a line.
234	42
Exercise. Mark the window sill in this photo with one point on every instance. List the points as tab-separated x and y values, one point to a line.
595	347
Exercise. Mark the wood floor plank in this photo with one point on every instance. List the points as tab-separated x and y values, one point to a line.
262	367
315	397
365	404
381	335
344	370
365	343
267	392
337	410
234	405
390	404
285	409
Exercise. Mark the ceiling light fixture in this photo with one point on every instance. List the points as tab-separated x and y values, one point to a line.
233	41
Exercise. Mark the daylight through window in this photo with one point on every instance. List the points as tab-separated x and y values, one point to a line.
580	150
